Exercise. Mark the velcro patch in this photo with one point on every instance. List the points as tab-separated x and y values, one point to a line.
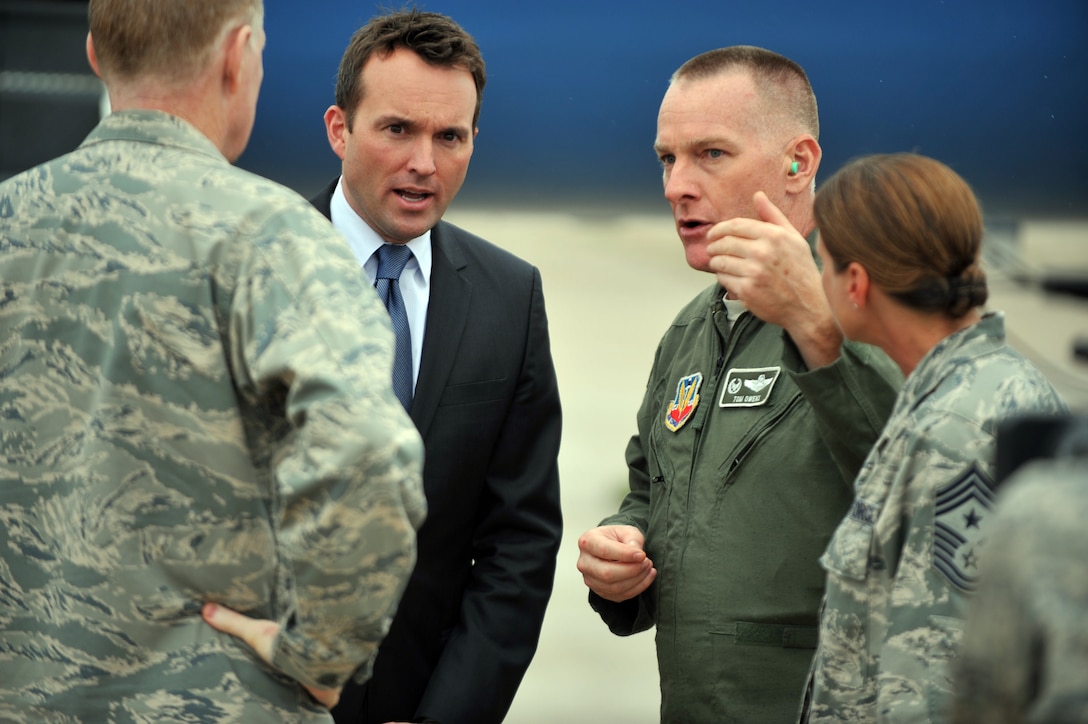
683	405
864	512
748	387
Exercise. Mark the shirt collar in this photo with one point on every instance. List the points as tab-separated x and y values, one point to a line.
733	307
364	241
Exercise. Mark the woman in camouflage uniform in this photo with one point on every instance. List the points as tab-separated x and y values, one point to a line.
900	237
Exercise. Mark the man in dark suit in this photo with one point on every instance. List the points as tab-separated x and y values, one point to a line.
485	395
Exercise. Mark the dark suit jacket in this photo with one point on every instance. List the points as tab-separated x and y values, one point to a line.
487	406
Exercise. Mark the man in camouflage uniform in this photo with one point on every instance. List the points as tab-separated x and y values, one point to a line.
187	417
1024	656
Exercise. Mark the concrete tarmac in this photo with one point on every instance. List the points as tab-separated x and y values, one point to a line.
612	284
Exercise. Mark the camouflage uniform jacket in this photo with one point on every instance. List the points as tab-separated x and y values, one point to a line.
740	471
1025	647
902	561
189	412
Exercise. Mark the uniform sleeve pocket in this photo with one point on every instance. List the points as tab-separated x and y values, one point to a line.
843	658
847	554
942	645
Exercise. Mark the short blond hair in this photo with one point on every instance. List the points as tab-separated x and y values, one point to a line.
168	39
783	84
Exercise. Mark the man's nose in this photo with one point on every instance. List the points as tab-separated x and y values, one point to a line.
422	159
679	181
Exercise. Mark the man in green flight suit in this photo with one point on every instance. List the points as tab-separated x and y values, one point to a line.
756	415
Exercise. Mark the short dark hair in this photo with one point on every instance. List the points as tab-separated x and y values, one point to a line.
433	37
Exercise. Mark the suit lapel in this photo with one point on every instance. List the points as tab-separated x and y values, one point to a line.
323	200
447	314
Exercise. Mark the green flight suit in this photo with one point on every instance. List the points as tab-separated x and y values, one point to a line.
741	469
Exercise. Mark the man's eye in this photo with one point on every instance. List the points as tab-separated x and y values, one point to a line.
715	153
449	137
667	159
396	129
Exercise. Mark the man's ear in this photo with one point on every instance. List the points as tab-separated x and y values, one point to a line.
336	128
802	161
92	57
234	56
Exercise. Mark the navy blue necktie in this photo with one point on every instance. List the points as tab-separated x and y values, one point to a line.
391	261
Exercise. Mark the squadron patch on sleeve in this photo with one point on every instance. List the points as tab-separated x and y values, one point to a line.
748	387
959	516
683	405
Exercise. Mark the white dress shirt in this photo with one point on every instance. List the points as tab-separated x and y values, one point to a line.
415	280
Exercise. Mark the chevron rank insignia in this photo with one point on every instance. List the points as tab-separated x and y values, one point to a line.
959	518
683	405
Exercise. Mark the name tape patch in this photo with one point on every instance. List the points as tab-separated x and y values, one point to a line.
748	387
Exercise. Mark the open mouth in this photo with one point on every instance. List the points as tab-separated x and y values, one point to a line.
413	196
693	224
692	230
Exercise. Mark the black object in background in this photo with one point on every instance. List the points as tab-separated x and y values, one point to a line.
49	97
1030	437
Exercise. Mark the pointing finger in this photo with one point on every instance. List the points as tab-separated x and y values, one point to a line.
769	212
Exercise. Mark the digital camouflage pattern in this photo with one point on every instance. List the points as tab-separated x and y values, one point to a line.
194	406
1025	648
902	562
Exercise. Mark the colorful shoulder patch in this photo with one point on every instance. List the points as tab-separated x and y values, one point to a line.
748	387
958	526
683	405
